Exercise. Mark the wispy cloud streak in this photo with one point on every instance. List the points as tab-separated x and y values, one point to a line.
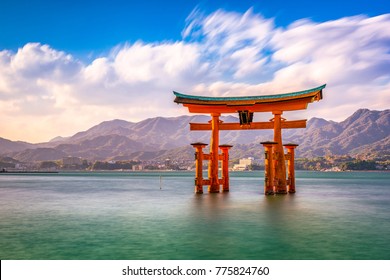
46	92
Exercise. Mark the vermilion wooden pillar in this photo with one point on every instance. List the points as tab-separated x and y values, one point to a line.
269	167
279	164
291	169
213	162
225	167
199	166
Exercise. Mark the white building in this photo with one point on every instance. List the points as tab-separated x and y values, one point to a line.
243	164
137	167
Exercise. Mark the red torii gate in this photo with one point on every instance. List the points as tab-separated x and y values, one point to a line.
246	106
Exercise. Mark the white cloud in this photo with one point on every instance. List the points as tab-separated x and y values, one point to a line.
40	61
351	55
46	92
342	51
235	44
157	63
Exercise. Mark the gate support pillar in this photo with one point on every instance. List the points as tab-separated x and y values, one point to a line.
290	166
225	167
279	164
213	162
199	166
269	167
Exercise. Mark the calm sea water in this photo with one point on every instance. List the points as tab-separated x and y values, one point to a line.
127	216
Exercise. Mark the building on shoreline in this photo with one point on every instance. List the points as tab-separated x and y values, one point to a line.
243	164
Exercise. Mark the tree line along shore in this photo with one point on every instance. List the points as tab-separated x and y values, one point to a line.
328	163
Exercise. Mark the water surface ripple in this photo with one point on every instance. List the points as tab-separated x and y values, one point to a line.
127	216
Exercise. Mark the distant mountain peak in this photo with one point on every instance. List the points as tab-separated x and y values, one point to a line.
122	139
58	139
115	122
317	122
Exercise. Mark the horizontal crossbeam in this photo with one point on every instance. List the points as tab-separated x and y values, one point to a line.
253	125
206	182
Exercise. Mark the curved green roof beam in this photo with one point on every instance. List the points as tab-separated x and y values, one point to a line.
193	99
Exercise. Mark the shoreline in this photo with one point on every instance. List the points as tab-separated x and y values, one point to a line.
28	172
160	171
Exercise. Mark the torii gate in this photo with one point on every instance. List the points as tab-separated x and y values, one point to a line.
245	106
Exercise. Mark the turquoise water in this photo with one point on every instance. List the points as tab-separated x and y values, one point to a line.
127	216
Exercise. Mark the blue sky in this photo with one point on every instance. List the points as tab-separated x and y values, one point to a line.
101	60
90	25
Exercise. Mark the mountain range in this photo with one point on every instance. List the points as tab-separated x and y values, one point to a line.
365	133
